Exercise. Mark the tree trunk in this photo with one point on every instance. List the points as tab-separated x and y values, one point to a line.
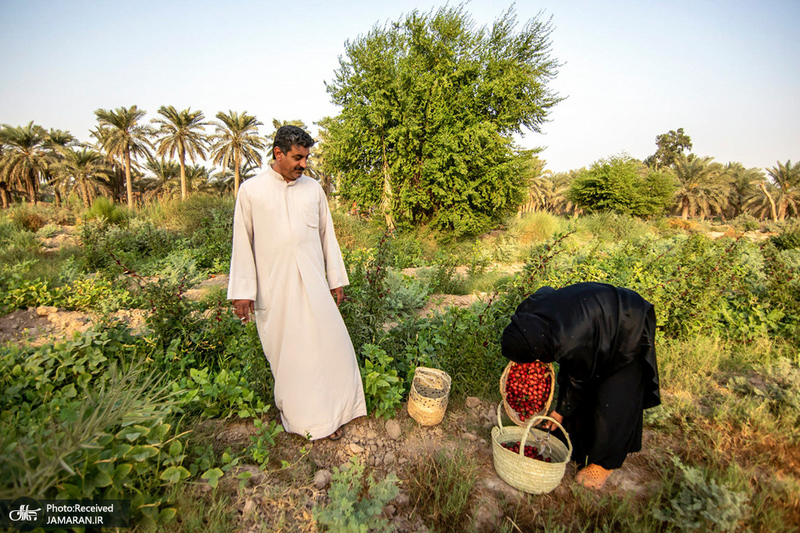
685	209
4	195
772	207
386	197
128	184
31	186
236	174
184	192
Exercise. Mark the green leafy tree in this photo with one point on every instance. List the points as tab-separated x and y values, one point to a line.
670	145
703	187
236	142
182	133
26	156
86	170
623	185
122	137
428	108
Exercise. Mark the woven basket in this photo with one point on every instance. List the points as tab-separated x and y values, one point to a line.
512	414
525	473
427	400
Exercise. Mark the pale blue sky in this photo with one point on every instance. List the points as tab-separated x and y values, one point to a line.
728	72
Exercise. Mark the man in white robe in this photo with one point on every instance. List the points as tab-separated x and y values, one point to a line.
287	267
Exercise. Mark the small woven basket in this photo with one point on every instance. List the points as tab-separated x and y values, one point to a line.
427	400
525	473
512	414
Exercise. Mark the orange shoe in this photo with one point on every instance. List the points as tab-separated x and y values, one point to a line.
593	477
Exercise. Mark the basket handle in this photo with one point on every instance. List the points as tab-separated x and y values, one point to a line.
536	419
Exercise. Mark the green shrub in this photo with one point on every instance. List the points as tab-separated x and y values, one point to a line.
106	211
789	237
745	222
48	231
366	309
132	246
27	218
383	389
404	293
355	503
535	227
703	505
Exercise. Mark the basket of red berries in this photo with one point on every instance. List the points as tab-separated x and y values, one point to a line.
527	390
529	459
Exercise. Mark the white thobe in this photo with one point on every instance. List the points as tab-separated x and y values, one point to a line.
286	258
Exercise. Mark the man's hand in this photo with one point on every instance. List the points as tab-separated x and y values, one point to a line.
547	424
243	309
338	294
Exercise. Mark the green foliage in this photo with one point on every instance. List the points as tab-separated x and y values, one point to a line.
777	388
95	293
48	231
221	394
17	244
535	227
383	389
367	307
429	106
351	511
440	488
106	212
670	146
700	504
789	238
80	420
27	219
622	185
404	293
263	441
119	247
207	224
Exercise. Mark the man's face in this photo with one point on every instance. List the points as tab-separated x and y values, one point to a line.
291	165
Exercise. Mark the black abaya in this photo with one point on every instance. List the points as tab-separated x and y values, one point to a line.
602	337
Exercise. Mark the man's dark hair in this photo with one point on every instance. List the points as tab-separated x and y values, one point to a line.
288	136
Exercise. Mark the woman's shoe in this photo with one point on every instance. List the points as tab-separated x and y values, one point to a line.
593	477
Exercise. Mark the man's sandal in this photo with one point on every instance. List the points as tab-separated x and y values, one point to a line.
593	476
336	435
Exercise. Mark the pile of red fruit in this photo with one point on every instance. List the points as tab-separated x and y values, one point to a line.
530	451
528	388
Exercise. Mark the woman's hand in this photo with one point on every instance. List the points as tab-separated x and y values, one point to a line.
547	424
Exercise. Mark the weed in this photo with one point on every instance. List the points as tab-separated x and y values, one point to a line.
351	511
440	488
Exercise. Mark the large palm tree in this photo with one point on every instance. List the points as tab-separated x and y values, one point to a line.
121	136
237	138
85	169
744	183
781	194
703	187
181	133
26	156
